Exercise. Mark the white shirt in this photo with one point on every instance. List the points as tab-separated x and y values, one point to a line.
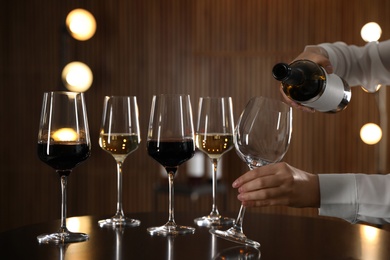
365	66
358	197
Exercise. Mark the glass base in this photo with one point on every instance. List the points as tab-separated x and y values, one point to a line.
122	221
170	229
239	252
210	220
62	238
234	236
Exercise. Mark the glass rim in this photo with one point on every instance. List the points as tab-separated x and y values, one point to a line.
63	92
215	97
173	95
120	96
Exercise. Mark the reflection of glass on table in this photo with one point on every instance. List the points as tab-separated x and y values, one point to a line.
193	189
275	231
239	253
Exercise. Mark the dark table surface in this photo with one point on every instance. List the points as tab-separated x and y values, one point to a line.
280	236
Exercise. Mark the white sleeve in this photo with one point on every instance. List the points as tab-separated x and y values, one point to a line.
365	66
356	197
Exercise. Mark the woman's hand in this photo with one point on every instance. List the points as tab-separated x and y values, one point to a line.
278	184
318	55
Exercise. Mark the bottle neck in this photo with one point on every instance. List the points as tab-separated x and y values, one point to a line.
288	75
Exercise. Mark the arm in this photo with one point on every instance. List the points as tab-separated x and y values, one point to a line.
356	197
367	66
353	197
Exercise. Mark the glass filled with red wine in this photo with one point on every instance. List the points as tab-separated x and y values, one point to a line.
63	143
119	136
170	142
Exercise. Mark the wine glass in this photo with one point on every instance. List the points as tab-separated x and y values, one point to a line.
63	143
171	142
262	137
119	136
214	137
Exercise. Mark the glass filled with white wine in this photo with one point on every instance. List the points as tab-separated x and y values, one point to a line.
214	137
119	136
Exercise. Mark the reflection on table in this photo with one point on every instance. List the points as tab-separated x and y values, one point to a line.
192	189
280	236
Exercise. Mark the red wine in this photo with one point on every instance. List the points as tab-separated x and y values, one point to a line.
171	154
63	156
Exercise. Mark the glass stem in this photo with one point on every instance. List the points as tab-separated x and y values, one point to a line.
214	210
119	205
64	179
118	244
240	218
62	248
171	219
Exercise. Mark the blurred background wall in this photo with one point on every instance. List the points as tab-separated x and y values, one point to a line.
142	48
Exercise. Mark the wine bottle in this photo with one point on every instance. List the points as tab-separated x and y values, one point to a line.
308	84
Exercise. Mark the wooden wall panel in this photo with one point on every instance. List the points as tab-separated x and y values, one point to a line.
142	48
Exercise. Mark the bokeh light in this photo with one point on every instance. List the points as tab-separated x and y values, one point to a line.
77	77
371	133
371	32
81	24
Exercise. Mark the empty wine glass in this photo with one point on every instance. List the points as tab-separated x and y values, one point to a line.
170	142
214	137
63	143
119	136
262	136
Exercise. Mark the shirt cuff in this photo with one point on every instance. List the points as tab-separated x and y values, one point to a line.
338	196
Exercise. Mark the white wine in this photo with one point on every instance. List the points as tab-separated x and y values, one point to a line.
308	83
214	144
119	145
